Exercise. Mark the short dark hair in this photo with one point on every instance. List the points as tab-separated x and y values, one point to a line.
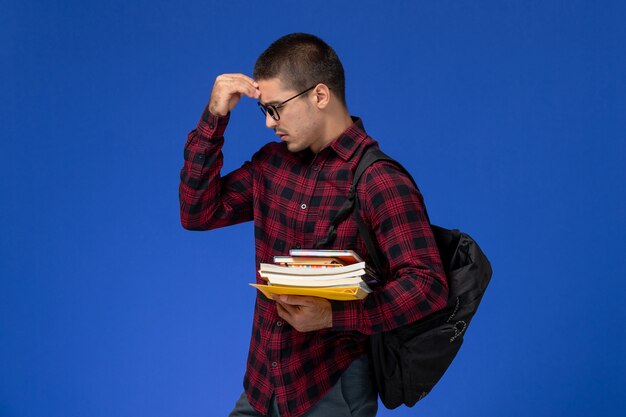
301	60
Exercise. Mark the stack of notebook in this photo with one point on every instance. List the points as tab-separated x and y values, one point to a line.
331	274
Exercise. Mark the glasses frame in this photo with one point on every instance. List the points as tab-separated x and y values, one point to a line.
273	109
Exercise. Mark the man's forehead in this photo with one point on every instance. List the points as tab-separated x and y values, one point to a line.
272	90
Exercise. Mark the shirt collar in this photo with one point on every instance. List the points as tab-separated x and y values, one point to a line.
350	140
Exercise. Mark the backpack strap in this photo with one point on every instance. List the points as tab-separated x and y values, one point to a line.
370	156
344	211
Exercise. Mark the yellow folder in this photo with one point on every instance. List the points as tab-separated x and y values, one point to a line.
330	293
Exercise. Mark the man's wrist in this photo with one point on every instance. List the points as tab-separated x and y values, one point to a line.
216	112
212	126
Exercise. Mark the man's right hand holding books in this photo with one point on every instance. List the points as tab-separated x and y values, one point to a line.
305	314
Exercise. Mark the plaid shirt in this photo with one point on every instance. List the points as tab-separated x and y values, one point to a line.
292	198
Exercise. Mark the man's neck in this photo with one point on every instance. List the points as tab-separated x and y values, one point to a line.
341	125
338	123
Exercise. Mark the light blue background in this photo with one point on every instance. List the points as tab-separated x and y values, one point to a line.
510	114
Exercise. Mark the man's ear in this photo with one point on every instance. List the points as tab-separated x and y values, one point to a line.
321	95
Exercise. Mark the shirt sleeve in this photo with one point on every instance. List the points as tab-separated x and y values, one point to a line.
208	200
393	208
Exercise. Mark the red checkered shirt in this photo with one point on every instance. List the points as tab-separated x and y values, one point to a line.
292	197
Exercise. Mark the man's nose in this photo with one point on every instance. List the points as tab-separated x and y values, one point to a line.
270	123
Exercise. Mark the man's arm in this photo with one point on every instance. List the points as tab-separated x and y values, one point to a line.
417	285
207	200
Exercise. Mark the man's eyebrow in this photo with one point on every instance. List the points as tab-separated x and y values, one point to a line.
270	103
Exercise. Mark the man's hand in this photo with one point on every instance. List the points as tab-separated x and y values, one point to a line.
227	91
305	314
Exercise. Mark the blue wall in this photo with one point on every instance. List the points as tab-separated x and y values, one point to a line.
511	115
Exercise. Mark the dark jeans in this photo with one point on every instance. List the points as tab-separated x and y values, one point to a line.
352	396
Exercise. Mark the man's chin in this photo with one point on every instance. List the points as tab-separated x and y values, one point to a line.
294	147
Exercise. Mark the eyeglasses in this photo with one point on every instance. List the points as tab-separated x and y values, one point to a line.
273	110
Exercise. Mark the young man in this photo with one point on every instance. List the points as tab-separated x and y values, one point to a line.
308	355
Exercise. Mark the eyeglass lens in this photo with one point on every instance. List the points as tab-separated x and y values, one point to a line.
269	110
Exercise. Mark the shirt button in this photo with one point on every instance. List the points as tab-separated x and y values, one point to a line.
303	206
211	126
298	246
280	323
274	364
316	168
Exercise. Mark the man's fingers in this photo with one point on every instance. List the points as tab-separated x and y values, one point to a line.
304	313
286	311
237	83
290	308
242	77
227	91
296	300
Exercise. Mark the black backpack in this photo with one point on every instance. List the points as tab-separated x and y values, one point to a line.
407	362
